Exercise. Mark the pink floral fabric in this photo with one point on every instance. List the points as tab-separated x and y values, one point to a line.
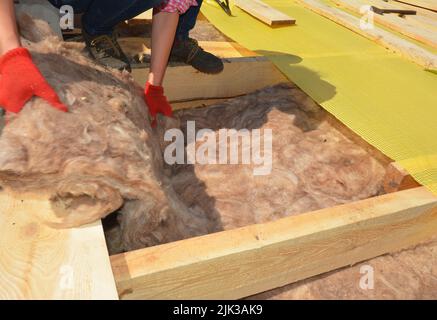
180	6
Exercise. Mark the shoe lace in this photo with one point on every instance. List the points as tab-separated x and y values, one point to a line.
106	45
194	47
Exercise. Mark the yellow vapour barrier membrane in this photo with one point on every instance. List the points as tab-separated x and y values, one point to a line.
389	101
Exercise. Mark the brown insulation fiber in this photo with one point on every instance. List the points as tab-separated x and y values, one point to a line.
314	166
102	157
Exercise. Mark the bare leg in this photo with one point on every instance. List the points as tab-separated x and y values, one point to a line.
163	32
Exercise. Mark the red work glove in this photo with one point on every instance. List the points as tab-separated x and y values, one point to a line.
20	80
157	102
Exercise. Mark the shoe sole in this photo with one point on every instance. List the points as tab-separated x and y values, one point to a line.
177	60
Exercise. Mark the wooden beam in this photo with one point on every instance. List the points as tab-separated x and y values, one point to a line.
397	179
424	18
147	15
424	4
192	104
264	12
245	261
240	76
402	25
237	60
38	262
430	15
135	46
408	50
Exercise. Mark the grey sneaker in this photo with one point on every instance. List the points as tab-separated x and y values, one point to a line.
106	51
189	52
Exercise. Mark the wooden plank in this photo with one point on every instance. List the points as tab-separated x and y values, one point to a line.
408	50
430	15
394	22
425	21
258	73
237	60
196	103
242	262
38	262
264	12
147	15
424	18
397	179
425	4
134	46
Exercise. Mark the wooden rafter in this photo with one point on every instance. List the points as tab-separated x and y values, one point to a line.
424	4
403	47
237	60
406	26
245	261
265	12
39	262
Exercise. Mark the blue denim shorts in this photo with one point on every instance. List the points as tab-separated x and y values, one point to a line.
79	6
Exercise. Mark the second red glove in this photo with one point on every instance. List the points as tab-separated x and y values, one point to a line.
157	102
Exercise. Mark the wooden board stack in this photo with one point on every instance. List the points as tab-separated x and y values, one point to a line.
416	27
425	4
264	12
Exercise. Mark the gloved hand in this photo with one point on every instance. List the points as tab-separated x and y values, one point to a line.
20	80
157	102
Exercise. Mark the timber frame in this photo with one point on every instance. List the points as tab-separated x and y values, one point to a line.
37	262
242	262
